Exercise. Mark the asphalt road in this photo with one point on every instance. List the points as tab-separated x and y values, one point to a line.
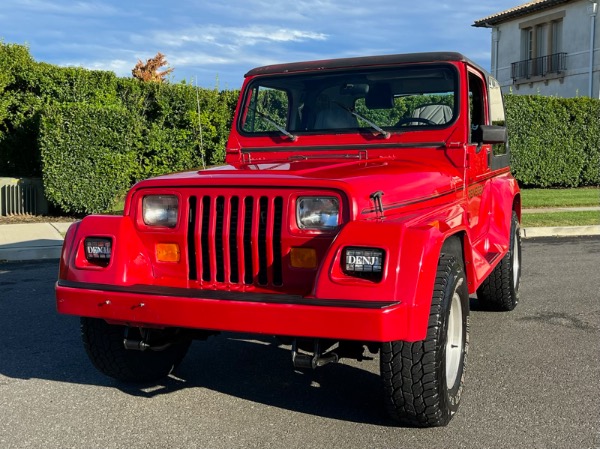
532	382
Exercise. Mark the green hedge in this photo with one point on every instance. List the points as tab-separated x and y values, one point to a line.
555	142
19	109
84	170
89	154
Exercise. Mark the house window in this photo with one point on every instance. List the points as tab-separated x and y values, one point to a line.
556	30
541	47
556	45
541	40
527	43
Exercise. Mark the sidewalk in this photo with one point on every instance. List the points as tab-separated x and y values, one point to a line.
37	241
32	241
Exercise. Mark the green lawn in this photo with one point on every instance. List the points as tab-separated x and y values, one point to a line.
582	218
582	197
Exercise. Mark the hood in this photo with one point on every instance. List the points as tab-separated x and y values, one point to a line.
401	181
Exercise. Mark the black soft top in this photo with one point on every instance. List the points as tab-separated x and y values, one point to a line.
346	63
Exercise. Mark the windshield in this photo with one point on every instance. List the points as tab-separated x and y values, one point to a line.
377	101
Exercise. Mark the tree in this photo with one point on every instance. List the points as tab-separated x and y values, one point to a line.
149	70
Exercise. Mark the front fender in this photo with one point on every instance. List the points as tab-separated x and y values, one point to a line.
410	266
129	265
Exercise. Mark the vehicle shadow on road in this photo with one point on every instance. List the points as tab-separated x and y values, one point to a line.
260	370
475	305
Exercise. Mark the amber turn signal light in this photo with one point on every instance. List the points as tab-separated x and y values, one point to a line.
167	252
303	258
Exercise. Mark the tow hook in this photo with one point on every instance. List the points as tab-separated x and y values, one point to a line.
311	361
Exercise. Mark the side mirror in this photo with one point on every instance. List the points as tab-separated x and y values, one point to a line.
490	134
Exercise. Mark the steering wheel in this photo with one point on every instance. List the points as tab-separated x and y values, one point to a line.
422	120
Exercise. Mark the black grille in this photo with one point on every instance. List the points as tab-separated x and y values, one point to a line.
240	239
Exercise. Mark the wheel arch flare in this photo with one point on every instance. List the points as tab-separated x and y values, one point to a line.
410	257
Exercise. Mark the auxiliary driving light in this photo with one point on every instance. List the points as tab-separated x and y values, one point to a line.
98	250
364	263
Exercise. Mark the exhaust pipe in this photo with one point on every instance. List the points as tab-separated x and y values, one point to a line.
140	345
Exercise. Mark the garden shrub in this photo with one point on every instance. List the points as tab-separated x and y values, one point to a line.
555	142
19	107
89	155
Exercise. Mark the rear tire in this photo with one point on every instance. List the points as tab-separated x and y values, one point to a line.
423	381
500	290
103	343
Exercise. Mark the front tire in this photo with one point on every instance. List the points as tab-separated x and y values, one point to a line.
423	381
500	290
104	346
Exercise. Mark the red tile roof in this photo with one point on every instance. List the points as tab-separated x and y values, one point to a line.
518	11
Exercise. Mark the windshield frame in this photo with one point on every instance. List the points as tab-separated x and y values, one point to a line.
289	85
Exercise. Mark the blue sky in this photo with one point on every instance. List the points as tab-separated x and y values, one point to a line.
210	40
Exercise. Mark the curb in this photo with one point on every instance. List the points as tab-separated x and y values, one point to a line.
545	210
564	231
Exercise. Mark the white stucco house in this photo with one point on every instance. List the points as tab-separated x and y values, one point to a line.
547	47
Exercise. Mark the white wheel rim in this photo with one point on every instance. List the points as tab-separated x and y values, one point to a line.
454	340
516	263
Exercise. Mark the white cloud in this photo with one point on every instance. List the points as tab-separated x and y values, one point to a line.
175	40
222	36
278	11
265	34
62	7
119	66
195	58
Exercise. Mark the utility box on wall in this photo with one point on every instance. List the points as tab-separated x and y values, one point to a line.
22	196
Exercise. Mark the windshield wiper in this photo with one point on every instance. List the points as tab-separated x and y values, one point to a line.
303	157
280	128
384	133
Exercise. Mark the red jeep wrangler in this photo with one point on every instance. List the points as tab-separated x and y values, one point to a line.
362	201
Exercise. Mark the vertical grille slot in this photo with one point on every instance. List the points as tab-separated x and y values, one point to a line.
248	273
263	215
204	238
191	239
278	218
233	251
220	209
